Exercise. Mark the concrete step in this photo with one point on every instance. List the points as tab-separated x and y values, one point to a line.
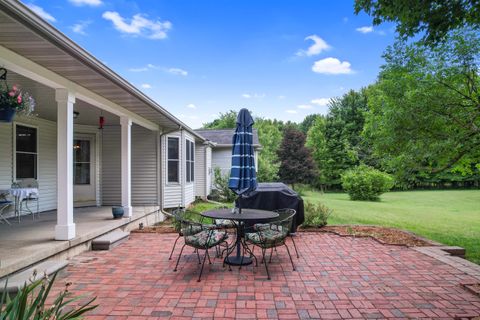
16	281
110	240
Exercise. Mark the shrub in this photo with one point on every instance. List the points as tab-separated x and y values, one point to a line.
366	183
221	192
316	215
30	303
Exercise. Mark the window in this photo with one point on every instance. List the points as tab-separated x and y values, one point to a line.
81	162
173	159
25	152
190	161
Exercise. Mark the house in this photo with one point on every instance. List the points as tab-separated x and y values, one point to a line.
96	140
218	151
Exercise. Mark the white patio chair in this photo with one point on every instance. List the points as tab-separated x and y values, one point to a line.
32	197
4	205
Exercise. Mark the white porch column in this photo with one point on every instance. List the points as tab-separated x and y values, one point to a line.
65	228
126	157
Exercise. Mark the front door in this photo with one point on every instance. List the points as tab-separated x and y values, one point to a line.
84	186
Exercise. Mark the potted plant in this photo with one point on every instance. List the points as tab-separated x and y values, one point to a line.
13	100
117	212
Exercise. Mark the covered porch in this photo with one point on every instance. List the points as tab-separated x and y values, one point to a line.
31	240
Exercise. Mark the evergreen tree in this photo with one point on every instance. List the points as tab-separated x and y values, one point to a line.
296	163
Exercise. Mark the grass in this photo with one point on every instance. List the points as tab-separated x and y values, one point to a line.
449	217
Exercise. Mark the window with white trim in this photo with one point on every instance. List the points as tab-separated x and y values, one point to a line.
190	161
26	154
173	159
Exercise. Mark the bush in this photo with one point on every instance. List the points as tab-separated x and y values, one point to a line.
316	215
366	183
221	192
30	303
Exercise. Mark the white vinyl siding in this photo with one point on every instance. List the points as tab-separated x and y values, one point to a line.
111	166
203	170
144	166
200	171
222	158
46	161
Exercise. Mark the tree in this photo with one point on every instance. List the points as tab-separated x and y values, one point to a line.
270	137
296	165
308	122
434	18
336	141
227	120
424	115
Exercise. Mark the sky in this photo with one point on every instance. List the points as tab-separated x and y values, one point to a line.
198	58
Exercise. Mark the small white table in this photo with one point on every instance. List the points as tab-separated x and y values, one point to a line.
19	194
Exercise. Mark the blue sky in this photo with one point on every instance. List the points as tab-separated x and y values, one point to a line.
196	58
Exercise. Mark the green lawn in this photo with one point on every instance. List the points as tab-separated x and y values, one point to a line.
450	217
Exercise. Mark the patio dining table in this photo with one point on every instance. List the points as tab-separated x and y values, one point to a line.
250	216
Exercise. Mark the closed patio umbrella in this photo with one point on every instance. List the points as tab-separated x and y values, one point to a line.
243	177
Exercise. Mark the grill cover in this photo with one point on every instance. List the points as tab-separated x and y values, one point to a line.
274	196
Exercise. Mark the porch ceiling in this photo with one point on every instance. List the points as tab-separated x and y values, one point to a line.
28	35
46	106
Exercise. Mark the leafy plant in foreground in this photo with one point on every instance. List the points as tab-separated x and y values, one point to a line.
30	303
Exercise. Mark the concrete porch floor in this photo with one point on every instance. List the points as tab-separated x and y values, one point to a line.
30	241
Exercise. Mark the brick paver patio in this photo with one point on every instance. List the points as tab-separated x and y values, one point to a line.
336	278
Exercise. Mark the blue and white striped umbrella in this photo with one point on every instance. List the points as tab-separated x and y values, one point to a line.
243	177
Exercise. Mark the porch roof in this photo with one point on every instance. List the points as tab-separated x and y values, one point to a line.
26	34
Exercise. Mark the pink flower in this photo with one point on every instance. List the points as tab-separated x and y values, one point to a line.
14	88
11	93
19	99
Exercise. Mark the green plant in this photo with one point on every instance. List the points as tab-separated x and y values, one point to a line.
30	303
316	215
220	183
366	183
17	99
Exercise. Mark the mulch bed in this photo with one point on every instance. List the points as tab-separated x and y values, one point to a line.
383	235
159	228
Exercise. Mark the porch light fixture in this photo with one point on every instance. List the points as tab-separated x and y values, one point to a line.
75	114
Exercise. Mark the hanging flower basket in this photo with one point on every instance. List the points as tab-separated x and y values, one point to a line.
13	100
7	113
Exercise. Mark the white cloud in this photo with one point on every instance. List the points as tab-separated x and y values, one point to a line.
92	3
142	69
304	106
291	111
146	86
41	12
177	71
80	27
322	102
319	45
366	29
191	106
254	95
332	66
281	97
139	25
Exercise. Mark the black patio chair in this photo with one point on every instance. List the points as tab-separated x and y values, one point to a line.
200	237
271	235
